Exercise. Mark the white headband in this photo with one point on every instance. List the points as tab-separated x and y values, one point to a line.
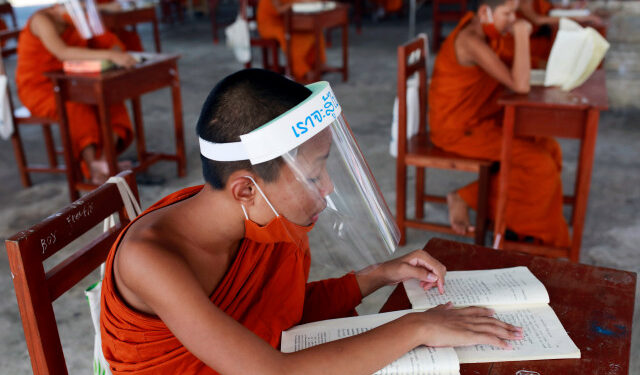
282	134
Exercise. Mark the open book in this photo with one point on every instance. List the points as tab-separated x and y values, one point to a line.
514	293
576	53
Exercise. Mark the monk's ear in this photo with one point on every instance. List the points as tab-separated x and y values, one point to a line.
242	189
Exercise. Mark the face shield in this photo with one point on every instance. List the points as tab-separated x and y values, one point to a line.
324	181
86	19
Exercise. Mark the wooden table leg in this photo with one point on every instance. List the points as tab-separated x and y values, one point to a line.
141	146
156	36
108	147
505	166
69	159
345	51
213	8
583	181
317	66
177	122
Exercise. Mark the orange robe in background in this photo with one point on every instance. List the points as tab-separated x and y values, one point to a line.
130	39
303	45
465	118
36	91
389	6
265	289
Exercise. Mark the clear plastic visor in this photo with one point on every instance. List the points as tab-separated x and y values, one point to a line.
330	185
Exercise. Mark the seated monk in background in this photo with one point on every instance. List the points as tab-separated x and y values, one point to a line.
545	27
129	38
465	118
206	280
270	18
49	38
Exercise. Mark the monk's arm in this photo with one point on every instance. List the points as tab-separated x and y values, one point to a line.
166	284
477	52
44	28
415	265
526	9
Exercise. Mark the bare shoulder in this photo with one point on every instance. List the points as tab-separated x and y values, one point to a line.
467	46
40	22
148	256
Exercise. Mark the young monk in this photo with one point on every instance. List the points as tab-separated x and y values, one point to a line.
270	18
205	280
465	118
49	38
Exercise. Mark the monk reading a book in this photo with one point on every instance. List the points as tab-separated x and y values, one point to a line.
270	17
48	39
465	118
206	280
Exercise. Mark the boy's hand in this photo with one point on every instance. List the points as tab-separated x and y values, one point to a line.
122	59
415	265
522	27
447	326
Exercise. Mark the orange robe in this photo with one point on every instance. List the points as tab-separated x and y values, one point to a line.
465	118
36	91
303	45
129	38
264	289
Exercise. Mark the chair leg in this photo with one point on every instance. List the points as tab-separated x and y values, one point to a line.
20	158
401	204
265	58
420	176
483	206
49	145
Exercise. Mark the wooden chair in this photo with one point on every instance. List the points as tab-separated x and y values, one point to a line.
441	16
268	47
6	11
37	288
420	153
22	117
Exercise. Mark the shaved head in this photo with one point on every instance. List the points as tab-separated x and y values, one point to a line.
238	104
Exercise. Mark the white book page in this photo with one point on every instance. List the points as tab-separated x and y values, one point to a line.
544	338
564	56
421	360
503	286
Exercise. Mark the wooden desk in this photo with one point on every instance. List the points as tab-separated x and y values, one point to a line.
114	20
556	113
116	86
317	23
594	304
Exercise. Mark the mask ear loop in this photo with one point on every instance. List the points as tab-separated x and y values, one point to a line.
263	196
489	14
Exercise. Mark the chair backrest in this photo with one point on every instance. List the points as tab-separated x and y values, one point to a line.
7	10
37	288
11	32
412	58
